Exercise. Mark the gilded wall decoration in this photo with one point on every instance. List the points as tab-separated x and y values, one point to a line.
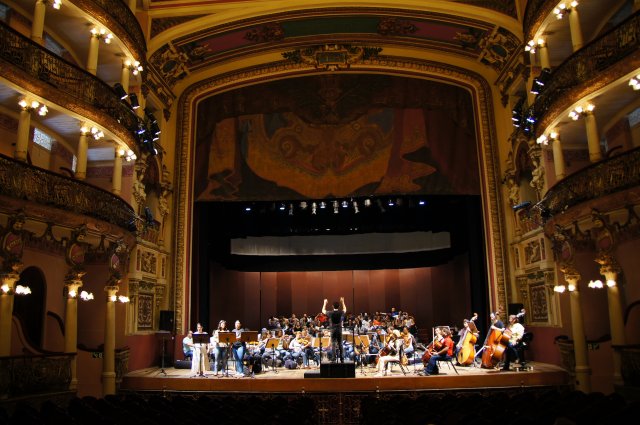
396	26
145	312
532	252
539	299
271	31
147	262
539	303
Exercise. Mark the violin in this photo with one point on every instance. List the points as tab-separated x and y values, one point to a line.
467	353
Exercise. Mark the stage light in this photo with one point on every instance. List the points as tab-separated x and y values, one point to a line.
323	205
355	207
133	99
367	202
290	209
303	205
422	202
345	204
335	207
390	203
122	94
247	209
282	207
314	208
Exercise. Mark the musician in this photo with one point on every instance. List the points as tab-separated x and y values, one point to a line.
409	342
187	345
377	341
496	323
517	331
445	353
218	349
238	349
468	326
335	320
390	352
200	361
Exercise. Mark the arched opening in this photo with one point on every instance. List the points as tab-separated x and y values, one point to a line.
30	309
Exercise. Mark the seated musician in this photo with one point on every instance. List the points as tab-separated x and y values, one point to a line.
187	346
377	341
409	342
390	352
445	353
296	347
517	331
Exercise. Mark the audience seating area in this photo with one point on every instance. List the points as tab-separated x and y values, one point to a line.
518	408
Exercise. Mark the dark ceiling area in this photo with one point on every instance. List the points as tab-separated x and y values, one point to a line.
217	223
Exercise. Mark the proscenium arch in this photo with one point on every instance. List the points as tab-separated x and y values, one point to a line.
495	246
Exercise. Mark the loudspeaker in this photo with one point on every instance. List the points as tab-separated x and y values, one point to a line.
338	370
312	374
166	320
514	309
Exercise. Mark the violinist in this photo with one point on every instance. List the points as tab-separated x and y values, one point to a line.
445	353
390	352
517	331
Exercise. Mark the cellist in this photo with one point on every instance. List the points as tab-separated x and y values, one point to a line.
445	353
517	331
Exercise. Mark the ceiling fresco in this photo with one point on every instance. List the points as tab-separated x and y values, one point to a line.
477	40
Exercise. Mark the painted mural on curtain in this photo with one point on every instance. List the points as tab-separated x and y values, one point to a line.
336	136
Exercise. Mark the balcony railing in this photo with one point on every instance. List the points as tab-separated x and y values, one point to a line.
38	63
121	16
618	173
28	375
21	181
585	66
535	12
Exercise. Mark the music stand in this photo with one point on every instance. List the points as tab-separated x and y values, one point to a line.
326	341
273	343
163	334
200	338
359	340
248	337
228	338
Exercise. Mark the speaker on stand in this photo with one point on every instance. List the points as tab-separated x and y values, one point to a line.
165	331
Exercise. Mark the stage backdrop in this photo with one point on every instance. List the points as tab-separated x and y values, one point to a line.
434	295
336	136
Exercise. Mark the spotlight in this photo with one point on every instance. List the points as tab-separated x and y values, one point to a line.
133	99
390	203
355	207
247	209
323	205
314	208
282	207
120	91
521	205
335	207
422	202
303	205
290	209
345	204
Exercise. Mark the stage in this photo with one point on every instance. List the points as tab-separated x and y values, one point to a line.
537	375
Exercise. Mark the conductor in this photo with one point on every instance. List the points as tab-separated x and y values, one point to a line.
335	321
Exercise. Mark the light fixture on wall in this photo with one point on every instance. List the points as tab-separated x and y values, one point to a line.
562	288
102	34
635	82
18	290
134	66
562	9
597	284
581	110
33	105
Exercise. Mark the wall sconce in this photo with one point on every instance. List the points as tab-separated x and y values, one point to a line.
102	34
95	132
123	299
533	44
563	9
635	82
134	66
580	111
596	284
86	296
19	290
33	105
562	288
127	154
57	4
542	140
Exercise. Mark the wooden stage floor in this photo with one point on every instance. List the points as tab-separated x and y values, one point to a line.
293	381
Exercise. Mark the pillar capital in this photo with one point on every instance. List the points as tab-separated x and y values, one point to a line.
112	292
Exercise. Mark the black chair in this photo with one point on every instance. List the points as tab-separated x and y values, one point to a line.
522	346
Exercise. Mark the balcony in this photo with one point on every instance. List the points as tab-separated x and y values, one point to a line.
29	65
116	15
598	64
616	174
21	181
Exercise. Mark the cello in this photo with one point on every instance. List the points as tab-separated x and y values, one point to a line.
434	345
467	353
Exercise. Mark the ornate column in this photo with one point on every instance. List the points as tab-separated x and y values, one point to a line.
576	29
583	371
124	77
558	156
7	284
72	286
83	147
116	186
24	127
593	139
544	54
37	26
109	355
94	45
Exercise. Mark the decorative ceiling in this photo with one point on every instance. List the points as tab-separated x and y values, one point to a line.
478	40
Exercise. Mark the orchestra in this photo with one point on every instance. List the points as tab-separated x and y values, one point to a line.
375	340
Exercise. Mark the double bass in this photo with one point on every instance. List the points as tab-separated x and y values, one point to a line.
467	353
494	347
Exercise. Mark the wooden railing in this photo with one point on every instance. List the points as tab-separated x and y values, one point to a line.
39	374
39	63
22	181
585	66
612	175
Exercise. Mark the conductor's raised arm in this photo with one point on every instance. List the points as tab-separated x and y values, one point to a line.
324	306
